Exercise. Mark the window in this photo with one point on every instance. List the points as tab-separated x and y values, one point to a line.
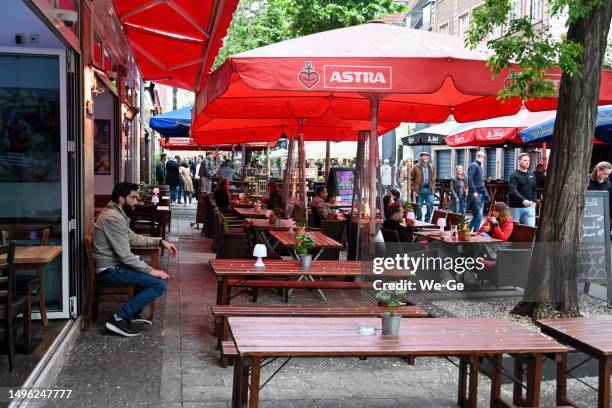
443	164
515	11
536	10
444	29
427	16
464	22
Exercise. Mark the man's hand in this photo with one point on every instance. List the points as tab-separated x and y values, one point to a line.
475	195
526	203
160	274
170	247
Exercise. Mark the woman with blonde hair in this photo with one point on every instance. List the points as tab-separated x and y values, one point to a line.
599	180
499	224
186	181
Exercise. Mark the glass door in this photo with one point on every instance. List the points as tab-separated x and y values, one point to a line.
33	157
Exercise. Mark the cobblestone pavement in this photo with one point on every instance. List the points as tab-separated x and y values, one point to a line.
174	364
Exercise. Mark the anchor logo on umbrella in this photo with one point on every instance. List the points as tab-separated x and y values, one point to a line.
308	76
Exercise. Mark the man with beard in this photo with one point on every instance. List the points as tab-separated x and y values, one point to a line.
116	264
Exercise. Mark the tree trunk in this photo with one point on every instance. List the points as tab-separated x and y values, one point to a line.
552	286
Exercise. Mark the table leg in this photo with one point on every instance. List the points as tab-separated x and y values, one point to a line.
496	379
561	359
604	382
224	300
473	382
240	385
461	392
255	372
534	378
517	394
155	259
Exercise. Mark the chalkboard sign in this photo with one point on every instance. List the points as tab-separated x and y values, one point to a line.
594	257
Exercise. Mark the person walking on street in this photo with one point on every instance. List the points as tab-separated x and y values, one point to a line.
459	190
477	191
404	179
522	196
423	177
173	179
187	183
206	173
115	263
540	175
195	176
160	170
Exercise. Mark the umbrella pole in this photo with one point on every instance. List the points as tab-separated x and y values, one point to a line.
267	161
243	165
372	160
327	158
301	163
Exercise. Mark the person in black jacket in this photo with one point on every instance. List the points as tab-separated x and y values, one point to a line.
275	199
523	193
173	179
477	190
160	170
599	180
221	194
393	222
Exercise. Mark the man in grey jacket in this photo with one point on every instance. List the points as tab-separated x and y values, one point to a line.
115	263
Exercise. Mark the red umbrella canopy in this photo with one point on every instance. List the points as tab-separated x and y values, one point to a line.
185	143
175	41
326	127
423	77
496	131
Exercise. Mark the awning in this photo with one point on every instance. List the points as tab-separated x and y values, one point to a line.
433	135
173	124
496	131
543	132
175	41
185	143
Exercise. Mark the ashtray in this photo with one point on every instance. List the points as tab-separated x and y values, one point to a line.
366	330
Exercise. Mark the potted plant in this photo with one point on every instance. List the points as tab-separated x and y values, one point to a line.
304	244
464	230
391	319
278	215
408	211
142	192
300	226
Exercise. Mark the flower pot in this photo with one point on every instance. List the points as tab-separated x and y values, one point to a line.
277	222
391	323
306	261
300	231
464	235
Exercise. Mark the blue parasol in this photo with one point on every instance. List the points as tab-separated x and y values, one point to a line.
542	132
173	124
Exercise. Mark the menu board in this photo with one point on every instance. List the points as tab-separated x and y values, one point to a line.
341	182
594	258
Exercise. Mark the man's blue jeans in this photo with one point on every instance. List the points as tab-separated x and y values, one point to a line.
176	193
149	288
425	196
477	211
524	215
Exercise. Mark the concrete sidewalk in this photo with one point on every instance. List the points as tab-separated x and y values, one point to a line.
175	363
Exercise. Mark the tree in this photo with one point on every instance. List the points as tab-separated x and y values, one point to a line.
552	284
261	22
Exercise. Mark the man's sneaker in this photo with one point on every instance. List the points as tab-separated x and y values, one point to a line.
122	327
140	324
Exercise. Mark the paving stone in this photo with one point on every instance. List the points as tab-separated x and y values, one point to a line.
359	403
207	393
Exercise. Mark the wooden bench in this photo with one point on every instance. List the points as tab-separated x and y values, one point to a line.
221	313
293	284
228	352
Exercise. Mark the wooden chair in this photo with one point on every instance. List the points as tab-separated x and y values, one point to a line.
27	284
145	220
453	219
12	305
437	214
96	289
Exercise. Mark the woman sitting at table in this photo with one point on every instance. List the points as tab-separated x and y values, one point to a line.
393	222
499	224
221	194
274	199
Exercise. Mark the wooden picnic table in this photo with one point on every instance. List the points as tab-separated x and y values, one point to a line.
418	224
259	338
590	335
446	238
152	251
165	217
319	240
249	212
262	223
243	272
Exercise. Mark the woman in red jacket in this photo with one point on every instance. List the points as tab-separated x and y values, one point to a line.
499	224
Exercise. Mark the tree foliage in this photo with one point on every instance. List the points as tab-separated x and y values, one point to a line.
261	22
